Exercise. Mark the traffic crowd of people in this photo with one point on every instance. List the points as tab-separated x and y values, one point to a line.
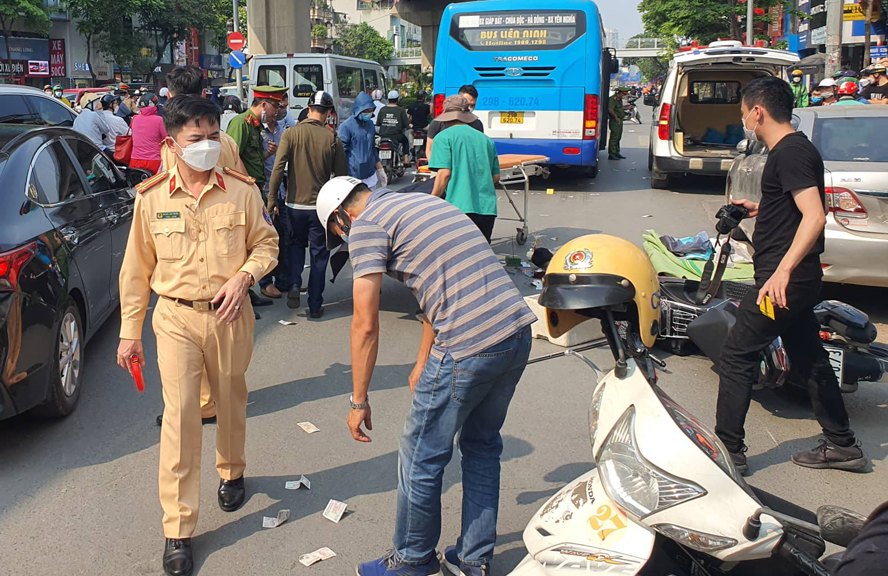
844	88
227	210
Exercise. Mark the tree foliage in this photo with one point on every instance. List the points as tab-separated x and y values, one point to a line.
363	41
107	27
31	13
705	20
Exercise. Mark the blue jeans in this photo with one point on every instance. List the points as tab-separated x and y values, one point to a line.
280	274
304	230
471	395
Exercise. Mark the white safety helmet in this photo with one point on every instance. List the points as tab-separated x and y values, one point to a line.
394	95
377	94
827	83
330	198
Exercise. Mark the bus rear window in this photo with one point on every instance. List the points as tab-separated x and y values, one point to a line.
518	30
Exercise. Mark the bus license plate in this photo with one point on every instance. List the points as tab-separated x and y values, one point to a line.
511	117
385	154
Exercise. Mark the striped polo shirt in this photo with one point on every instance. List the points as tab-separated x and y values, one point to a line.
437	252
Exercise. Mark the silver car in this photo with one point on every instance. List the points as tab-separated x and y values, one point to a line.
853	141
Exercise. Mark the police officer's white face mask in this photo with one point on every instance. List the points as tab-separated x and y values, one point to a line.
203	155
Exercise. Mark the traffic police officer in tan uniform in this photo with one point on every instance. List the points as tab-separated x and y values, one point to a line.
200	239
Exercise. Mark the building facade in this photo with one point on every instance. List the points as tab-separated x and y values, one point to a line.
381	15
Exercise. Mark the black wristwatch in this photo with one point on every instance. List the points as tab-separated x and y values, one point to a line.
361	406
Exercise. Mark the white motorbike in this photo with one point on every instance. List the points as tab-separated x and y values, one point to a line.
664	497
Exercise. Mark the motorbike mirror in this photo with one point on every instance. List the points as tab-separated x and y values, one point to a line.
839	525
743	146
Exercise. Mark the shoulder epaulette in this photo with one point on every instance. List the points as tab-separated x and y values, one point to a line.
239	176
144	185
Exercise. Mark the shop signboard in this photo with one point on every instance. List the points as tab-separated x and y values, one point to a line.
57	67
25	48
818	36
18	67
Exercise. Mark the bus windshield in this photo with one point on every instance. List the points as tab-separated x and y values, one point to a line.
514	30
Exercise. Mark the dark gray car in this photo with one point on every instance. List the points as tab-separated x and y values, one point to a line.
853	141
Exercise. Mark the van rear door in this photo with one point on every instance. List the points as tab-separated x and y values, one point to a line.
309	75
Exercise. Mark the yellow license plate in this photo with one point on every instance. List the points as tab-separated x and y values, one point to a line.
511	117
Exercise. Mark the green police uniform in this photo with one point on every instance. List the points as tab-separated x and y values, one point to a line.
246	130
615	105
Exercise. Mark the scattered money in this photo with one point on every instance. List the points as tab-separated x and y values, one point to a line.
335	510
286	323
297	484
282	517
316	556
308	427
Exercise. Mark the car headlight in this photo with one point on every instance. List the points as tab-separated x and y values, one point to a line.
700	541
636	485
594	410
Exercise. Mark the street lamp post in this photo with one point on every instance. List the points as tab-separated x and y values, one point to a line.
750	16
238	71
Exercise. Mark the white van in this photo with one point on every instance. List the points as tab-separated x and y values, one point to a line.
700	100
304	74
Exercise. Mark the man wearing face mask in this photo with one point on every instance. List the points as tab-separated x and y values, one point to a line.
200	238
877	90
788	240
827	88
246	129
799	90
358	136
313	153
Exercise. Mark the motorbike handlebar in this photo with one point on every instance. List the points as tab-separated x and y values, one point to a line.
802	560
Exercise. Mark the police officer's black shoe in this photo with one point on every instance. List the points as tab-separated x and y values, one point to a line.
257	300
177	560
231	494
614	157
829	455
621	157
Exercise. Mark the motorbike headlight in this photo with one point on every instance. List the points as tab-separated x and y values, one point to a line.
700	541
636	485
700	436
594	410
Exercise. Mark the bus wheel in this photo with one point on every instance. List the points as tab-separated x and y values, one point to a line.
590	171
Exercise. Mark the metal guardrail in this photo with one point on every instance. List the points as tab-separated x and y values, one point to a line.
642	44
415	52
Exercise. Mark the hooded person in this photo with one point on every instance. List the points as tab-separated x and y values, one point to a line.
358	135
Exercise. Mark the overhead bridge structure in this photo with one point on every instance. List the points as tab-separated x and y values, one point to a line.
641	48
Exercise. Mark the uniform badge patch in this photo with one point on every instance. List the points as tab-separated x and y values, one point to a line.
168	215
266	216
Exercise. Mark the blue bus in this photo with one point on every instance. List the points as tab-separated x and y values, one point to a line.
542	75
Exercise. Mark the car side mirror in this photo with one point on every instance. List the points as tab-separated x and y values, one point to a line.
134	176
743	146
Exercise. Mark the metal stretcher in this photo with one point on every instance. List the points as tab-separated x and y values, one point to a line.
517	169
514	169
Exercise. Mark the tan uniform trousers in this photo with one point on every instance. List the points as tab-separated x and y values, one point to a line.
191	344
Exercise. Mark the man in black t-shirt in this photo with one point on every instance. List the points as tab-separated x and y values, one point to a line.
392	122
788	241
471	95
877	92
419	112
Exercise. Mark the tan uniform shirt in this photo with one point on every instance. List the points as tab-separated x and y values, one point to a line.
187	248
230	157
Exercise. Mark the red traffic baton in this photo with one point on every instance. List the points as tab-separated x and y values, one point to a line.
137	372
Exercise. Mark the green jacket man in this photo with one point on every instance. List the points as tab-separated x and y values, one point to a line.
246	130
800	97
615	123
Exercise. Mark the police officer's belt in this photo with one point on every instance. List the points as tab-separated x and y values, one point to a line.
199	306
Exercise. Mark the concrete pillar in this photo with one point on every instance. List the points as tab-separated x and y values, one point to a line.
429	45
278	26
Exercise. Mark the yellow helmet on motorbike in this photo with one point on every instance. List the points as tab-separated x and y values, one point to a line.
600	271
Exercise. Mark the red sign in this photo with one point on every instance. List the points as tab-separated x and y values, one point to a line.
193	49
236	41
57	67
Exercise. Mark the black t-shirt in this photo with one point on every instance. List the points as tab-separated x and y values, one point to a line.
874	92
392	121
437	126
419	115
793	164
